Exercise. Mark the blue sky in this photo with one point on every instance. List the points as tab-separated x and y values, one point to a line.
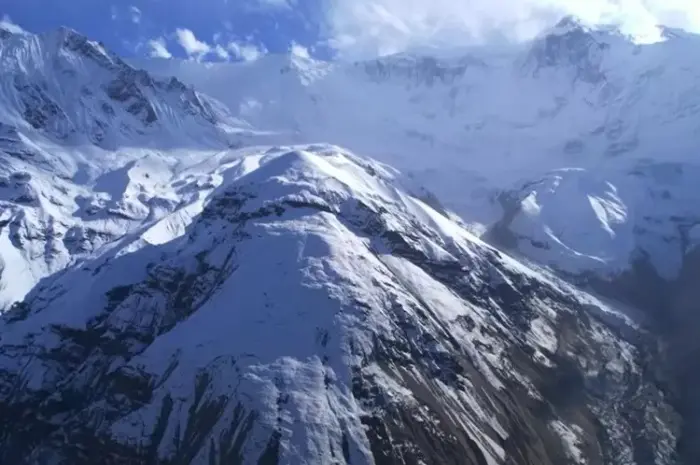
131	27
245	29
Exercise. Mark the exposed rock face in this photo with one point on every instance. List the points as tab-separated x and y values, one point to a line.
660	283
672	307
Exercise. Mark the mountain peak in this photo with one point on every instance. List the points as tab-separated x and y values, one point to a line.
71	40
66	32
567	24
68	85
570	44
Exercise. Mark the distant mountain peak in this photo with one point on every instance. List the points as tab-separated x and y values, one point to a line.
72	41
68	85
569	23
571	44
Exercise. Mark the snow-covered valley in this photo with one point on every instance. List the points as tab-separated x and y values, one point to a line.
481	258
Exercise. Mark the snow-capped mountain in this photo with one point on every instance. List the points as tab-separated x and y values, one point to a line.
311	312
71	89
88	144
196	281
577	150
475	123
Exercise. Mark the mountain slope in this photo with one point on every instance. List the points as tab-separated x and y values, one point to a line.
647	214
90	148
314	313
576	151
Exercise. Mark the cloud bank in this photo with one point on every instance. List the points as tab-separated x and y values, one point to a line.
198	49
362	28
245	52
193	47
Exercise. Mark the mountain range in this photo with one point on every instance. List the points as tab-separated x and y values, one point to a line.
480	256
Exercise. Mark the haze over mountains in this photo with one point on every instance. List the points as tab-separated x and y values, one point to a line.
473	257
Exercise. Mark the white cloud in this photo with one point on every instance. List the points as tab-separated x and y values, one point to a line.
158	48
199	49
372	27
221	52
286	4
135	14
7	24
245	52
299	50
192	46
